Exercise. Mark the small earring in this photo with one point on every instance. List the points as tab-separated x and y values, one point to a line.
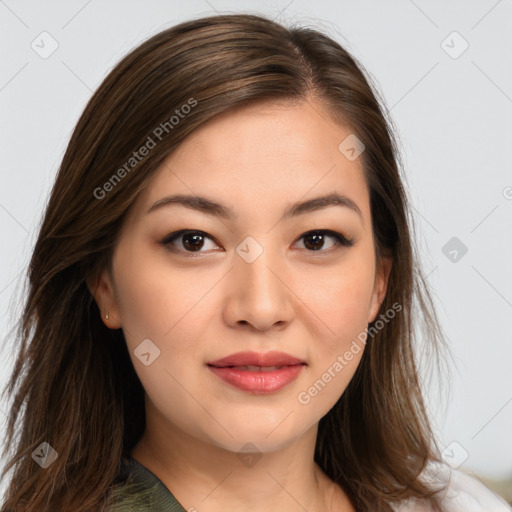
106	316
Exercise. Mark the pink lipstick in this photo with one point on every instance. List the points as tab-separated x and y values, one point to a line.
256	372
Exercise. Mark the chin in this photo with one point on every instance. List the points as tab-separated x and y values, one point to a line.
266	436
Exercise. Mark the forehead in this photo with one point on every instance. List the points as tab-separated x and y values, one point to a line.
263	133
260	156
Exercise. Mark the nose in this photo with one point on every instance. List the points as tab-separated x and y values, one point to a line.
260	293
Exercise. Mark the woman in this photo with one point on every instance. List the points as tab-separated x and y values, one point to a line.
220	311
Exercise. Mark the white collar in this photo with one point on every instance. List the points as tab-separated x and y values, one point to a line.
462	493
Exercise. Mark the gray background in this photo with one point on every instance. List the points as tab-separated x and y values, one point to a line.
453	114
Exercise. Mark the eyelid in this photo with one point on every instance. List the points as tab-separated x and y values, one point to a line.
341	241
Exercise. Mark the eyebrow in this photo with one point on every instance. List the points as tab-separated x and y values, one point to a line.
210	207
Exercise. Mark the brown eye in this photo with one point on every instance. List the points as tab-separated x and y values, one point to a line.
191	241
315	240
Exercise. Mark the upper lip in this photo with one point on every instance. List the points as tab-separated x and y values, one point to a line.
272	358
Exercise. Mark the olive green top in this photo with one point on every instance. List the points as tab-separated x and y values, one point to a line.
143	491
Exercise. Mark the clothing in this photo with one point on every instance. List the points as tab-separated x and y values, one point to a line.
145	492
462	494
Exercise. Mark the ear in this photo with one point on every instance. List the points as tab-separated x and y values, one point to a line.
380	286
102	290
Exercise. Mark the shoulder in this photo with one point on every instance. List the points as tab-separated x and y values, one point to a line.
459	492
142	491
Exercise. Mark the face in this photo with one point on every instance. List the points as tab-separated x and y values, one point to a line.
247	277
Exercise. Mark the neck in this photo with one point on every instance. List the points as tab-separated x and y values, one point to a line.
209	478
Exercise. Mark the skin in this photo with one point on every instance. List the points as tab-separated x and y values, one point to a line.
310	304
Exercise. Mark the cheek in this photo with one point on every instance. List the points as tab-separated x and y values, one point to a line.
340	300
154	298
341	304
164	305
337	300
168	305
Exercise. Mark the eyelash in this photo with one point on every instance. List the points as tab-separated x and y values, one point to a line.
340	240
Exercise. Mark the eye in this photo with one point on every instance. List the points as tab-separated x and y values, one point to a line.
194	240
314	240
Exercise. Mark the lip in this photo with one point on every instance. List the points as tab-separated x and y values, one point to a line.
273	358
258	381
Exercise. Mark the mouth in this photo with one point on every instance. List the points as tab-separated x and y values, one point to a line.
255	368
258	379
243	360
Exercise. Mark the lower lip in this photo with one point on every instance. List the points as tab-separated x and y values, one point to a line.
258	382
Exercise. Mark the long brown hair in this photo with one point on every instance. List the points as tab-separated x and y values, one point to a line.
73	382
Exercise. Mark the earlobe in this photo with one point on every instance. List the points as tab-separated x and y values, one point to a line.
380	287
102	290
